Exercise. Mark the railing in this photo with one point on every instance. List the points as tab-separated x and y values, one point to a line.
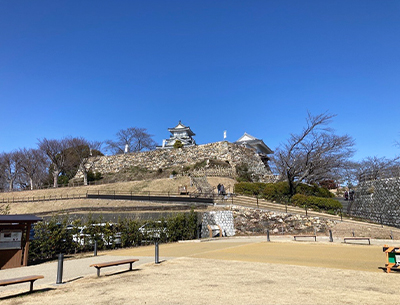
257	203
43	198
140	196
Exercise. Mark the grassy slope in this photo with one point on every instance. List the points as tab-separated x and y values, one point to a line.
163	185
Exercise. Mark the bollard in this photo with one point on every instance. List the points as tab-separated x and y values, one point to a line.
268	236
156	254
330	236
60	268
391	235
353	233
95	248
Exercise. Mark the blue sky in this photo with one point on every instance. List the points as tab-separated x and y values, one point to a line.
91	68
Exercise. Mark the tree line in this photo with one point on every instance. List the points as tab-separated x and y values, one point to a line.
315	155
56	161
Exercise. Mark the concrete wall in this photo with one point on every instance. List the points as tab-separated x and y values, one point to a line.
222	218
378	200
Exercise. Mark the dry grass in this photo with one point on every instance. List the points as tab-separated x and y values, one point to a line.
237	273
163	185
74	195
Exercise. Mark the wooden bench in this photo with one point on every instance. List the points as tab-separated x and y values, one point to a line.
358	238
305	236
98	266
20	280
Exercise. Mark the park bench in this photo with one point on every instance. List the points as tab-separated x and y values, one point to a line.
305	236
20	280
98	266
358	238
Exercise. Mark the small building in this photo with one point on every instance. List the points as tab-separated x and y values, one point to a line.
180	133
258	145
14	239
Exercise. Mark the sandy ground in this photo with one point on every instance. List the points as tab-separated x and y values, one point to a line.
235	271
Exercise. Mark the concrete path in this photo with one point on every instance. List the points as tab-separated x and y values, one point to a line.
74	268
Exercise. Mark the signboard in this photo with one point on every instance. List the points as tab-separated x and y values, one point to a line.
10	240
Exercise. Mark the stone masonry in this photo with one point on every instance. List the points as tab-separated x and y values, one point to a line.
230	153
222	218
378	200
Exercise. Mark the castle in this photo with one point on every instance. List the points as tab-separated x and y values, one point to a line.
247	151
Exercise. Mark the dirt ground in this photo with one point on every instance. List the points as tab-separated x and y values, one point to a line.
236	271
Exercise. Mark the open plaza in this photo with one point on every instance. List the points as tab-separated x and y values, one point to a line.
239	270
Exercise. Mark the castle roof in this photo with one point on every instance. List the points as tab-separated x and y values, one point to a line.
252	142
180	127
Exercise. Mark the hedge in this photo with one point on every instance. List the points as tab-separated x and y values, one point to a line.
317	203
279	191
55	235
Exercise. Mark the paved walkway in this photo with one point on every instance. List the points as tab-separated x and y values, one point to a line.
74	268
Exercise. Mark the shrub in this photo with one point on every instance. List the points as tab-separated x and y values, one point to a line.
243	172
249	188
278	192
313	190
93	176
317	203
178	144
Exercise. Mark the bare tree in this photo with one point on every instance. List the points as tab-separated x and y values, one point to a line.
33	165
83	150
55	150
10	164
373	168
314	155
132	139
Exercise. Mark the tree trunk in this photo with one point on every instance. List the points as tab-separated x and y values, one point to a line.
85	181
31	182
55	178
11	186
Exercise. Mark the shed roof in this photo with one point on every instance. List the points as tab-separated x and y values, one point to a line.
19	218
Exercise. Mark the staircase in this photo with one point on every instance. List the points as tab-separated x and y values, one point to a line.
204	189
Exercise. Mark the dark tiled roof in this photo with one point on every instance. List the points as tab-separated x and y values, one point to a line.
19	218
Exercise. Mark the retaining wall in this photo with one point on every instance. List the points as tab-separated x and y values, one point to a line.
230	153
378	200
222	218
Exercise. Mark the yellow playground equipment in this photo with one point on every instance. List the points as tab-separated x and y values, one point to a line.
392	258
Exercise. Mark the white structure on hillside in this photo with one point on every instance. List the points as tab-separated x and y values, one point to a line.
257	144
180	133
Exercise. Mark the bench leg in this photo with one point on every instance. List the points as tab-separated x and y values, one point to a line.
31	286
98	271
130	267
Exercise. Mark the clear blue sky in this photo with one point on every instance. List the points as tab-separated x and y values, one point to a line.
91	68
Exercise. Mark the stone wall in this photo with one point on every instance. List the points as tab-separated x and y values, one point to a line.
253	221
230	153
224	219
377	200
